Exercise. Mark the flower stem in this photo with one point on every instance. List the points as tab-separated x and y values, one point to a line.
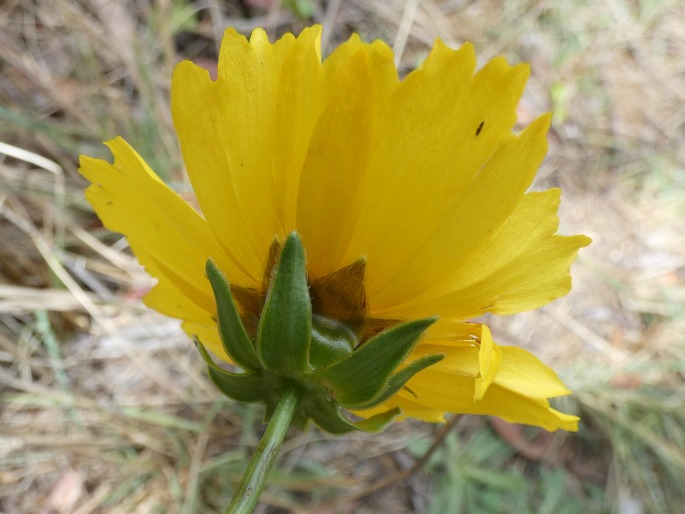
247	495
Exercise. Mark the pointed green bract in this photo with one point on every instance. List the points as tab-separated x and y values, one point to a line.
329	417
284	331
340	425
234	338
400	378
363	376
243	387
324	412
378	422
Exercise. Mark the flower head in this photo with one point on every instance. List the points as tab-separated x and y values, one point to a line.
409	197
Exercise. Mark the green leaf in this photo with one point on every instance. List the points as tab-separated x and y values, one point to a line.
363	376
234	338
284	331
242	387
400	378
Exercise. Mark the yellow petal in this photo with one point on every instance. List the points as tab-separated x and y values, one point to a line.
172	295
524	265
423	177
425	156
525	374
489	360
356	80
454	393
469	351
453	396
527	264
244	138
166	234
430	401
410	409
492	194
481	378
460	343
516	369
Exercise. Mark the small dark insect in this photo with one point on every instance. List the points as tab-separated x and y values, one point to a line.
480	127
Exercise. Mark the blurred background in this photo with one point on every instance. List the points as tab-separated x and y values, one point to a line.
105	406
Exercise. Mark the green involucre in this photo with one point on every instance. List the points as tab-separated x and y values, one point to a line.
322	355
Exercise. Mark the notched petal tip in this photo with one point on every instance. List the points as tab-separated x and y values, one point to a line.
92	167
465	48
376	46
501	70
442	58
313	32
188	70
231	36
311	36
114	142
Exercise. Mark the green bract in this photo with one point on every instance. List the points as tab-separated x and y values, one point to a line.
320	355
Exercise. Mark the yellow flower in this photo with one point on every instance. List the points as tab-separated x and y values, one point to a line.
419	184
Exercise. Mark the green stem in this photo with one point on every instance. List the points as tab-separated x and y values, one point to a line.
247	495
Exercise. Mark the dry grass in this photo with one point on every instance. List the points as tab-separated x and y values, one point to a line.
105	406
